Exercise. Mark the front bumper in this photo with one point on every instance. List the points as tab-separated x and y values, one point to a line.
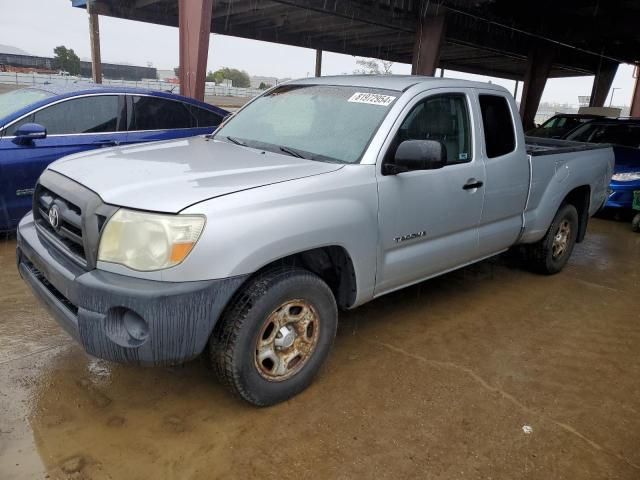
121	318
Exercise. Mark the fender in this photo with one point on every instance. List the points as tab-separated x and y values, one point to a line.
249	230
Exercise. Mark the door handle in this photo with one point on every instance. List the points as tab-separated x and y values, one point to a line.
106	143
472	184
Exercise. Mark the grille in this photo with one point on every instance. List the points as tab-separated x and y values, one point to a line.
67	234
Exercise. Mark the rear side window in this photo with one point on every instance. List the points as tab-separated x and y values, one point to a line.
150	113
499	134
205	118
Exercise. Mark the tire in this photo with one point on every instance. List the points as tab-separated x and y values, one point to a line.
635	223
277	301
543	256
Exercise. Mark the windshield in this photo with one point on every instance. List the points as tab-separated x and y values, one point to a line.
317	122
627	134
18	99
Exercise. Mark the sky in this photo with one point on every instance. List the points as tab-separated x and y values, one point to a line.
37	26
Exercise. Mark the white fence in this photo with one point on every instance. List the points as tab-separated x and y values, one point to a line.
35	79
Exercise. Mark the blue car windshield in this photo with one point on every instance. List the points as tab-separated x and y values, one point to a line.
316	122
18	99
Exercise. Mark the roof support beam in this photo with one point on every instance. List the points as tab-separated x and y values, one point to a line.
355	12
318	63
602	83
428	44
195	24
635	100
539	65
94	35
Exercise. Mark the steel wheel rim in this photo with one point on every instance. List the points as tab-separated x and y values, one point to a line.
561	239
287	340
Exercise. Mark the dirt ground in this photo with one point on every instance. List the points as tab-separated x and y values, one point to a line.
489	372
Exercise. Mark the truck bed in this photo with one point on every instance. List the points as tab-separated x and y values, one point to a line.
537	146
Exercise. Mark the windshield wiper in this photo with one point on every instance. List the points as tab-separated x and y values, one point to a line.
292	152
237	141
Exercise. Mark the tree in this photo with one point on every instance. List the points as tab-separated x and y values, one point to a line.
66	60
371	66
264	86
239	78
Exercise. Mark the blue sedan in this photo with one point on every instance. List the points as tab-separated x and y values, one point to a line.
624	135
40	125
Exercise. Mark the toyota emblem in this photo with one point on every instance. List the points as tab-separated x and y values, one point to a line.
54	217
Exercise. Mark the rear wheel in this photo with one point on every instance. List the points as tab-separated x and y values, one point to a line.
635	223
552	253
274	336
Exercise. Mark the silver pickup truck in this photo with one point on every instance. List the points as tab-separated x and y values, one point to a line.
319	195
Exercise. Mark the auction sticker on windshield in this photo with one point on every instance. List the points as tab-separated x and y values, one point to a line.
372	99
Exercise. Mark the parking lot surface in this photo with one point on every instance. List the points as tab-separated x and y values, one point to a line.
488	372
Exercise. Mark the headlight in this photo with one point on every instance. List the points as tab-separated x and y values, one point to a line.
626	176
149	241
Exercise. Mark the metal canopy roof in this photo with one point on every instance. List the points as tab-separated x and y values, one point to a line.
487	37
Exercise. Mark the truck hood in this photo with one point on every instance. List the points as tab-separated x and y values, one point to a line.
172	175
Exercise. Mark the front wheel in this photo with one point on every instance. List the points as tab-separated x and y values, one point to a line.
552	253
275	335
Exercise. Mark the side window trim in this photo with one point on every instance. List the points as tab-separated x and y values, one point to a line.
121	126
58	102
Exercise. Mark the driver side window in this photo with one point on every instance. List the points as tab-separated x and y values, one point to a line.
444	118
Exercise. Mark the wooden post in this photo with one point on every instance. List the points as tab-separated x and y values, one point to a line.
195	28
94	34
318	63
538	67
602	83
426	50
635	100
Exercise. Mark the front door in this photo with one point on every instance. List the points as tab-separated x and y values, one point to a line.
73	126
429	219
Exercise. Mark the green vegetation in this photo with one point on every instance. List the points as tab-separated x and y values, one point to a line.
239	78
65	59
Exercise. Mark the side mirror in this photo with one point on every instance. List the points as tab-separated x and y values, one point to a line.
417	155
30	131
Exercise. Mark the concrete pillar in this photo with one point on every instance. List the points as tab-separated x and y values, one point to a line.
318	63
195	28
94	35
635	100
602	83
539	65
426	50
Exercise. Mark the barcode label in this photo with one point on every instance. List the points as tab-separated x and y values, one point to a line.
372	99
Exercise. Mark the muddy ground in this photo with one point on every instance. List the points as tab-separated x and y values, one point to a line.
490	372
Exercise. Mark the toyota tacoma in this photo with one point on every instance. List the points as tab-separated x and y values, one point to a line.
319	195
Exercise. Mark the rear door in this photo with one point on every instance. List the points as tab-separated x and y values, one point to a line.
429	219
154	118
73	125
507	172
